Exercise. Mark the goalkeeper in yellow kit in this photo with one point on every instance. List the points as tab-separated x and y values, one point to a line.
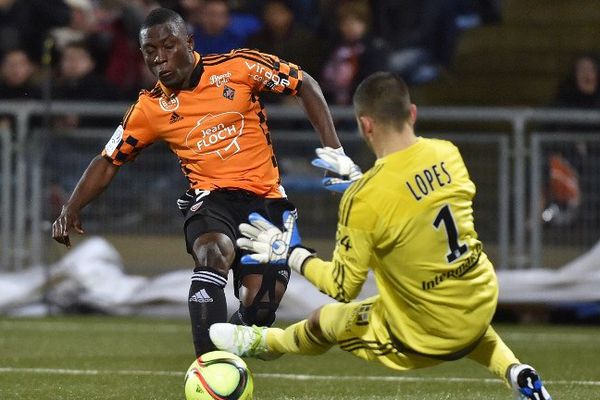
410	220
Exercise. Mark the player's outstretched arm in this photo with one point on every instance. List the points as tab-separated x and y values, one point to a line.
316	109
94	180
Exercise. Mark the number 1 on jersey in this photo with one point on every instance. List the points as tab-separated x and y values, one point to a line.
456	249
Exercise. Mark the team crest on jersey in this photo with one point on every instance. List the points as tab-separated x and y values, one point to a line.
228	92
168	104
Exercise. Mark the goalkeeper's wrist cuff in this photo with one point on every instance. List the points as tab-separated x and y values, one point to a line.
298	257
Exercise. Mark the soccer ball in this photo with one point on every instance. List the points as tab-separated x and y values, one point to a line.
218	375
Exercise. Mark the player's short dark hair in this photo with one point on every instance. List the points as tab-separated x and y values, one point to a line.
164	16
383	96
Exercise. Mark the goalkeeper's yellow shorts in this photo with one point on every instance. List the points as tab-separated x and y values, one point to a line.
360	328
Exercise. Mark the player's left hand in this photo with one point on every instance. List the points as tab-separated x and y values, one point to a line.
270	245
334	160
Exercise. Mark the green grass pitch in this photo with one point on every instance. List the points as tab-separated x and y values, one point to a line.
128	358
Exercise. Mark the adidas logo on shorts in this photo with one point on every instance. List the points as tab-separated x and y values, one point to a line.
201	297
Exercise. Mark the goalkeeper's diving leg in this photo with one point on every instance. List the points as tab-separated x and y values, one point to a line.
498	358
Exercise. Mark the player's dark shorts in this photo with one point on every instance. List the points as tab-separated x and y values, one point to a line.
222	211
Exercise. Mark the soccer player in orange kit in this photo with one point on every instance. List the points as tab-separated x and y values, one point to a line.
207	109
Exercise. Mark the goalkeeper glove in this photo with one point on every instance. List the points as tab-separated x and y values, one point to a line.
269	245
334	160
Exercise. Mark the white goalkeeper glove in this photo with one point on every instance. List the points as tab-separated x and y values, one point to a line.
270	245
334	160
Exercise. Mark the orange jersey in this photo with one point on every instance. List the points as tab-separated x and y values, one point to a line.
217	128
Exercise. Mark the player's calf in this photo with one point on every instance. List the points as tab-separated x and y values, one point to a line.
207	305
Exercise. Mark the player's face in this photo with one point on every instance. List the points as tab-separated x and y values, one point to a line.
168	54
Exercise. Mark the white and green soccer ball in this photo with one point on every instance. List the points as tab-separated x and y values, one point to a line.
218	375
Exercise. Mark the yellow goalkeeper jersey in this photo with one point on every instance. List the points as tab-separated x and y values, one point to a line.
410	220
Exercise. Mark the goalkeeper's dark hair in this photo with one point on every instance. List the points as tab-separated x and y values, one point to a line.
164	16
383	96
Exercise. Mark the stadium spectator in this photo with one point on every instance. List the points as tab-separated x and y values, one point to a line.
282	36
17	76
17	80
326	18
218	31
119	57
568	164
192	11
305	11
581	88
422	36
78	79
199	106
81	25
410	220
25	24
354	55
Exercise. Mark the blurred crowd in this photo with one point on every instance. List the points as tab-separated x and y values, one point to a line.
88	49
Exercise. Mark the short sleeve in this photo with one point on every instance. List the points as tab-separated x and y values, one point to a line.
270	73
131	136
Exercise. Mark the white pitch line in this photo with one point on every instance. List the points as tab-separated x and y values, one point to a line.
67	326
63	371
298	377
552	337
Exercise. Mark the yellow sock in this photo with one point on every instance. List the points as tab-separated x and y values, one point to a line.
494	354
295	339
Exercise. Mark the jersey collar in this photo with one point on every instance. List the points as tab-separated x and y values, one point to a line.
194	78
197	72
413	148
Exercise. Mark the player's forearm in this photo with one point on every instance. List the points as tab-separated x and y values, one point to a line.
332	279
312	99
94	180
